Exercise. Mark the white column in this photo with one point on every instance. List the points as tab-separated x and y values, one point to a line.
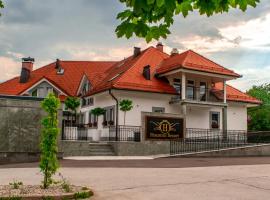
183	85
224	91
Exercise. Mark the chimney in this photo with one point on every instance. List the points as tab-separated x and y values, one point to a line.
27	68
136	52
57	64
159	46
146	72
58	67
174	52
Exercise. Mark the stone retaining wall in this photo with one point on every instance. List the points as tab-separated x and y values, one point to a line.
20	129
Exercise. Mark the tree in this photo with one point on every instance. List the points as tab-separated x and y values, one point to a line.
98	111
260	116
125	105
72	103
151	19
48	146
1	5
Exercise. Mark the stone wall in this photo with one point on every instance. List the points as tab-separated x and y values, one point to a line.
144	148
20	129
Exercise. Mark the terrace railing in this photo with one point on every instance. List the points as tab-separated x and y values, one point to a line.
198	94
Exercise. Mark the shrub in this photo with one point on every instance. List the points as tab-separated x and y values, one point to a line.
16	184
83	195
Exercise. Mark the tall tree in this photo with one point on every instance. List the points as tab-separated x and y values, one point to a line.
260	116
48	162
151	19
125	106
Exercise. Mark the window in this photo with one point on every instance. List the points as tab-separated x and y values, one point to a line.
87	102
214	120
158	109
202	91
177	85
108	117
35	93
81	118
190	90
92	121
85	87
84	102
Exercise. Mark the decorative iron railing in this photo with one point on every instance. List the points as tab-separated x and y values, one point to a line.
200	94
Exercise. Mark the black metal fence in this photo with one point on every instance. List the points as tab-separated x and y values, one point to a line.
125	133
199	140
259	137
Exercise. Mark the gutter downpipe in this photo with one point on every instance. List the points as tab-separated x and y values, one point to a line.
117	106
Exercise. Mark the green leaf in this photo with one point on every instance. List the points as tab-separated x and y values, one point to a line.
149	2
160	3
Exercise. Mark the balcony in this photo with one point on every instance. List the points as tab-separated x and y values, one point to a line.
200	95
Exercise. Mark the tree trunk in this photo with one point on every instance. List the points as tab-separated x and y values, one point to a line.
124	118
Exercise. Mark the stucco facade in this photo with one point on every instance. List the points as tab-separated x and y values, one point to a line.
197	116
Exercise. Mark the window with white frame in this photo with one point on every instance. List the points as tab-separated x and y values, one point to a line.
214	120
92	120
190	89
177	85
88	101
109	116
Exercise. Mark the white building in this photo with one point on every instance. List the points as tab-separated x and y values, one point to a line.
185	85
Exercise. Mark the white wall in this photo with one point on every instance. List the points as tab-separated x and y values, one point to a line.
237	116
143	102
197	117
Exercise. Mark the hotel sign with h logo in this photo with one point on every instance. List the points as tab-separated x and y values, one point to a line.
164	128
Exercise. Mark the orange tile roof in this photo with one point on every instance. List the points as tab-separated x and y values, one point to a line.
68	83
234	94
194	61
125	74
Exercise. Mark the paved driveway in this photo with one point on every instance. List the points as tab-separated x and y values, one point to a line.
246	182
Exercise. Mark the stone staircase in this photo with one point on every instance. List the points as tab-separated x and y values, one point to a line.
100	149
84	148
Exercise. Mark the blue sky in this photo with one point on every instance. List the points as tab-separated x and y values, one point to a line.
84	30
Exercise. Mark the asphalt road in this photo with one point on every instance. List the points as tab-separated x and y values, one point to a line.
156	163
244	182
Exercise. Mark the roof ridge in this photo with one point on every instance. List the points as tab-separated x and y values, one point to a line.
190	50
88	61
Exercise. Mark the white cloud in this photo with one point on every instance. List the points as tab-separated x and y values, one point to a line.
254	33
9	68
253	76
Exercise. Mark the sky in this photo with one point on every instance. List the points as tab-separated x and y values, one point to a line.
84	30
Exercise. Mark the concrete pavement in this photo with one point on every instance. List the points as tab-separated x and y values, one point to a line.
204	183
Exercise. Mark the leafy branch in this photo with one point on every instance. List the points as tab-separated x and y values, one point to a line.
151	19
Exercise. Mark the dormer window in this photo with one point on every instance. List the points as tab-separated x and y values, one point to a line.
86	87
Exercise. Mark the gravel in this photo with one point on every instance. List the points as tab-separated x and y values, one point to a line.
36	190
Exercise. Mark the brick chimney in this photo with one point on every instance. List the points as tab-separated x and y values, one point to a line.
159	46
136	52
174	52
27	68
